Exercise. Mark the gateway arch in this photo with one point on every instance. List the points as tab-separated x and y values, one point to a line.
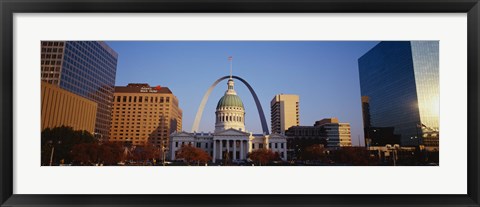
198	117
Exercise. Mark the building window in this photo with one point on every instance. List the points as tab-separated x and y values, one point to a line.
253	145
260	146
276	146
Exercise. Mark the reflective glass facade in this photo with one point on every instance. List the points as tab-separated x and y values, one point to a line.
401	80
86	68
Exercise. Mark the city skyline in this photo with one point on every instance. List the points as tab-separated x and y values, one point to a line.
270	67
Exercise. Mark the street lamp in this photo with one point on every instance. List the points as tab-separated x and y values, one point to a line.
394	152
163	155
53	150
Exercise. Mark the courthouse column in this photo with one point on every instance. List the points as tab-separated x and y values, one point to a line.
221	150
214	151
241	150
234	149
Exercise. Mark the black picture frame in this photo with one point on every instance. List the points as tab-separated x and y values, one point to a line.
10	7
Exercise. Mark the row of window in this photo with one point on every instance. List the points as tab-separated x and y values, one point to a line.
224	144
51	75
140	99
50	44
50	69
138	109
146	105
140	115
51	56
151	120
52	50
51	63
128	136
228	118
135	112
138	130
138	123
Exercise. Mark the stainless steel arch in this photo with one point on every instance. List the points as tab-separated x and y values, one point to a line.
198	117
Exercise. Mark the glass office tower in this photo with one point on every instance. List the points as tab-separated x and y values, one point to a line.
85	68
400	79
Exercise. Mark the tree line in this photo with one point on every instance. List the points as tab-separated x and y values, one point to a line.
66	146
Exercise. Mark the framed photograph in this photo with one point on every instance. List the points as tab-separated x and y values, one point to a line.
233	103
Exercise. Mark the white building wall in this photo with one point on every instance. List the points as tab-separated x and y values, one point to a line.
211	142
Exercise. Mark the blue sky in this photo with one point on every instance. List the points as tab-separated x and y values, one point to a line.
323	73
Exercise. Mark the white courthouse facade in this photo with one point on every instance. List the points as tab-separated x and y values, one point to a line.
230	139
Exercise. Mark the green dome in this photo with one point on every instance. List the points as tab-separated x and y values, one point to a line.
229	100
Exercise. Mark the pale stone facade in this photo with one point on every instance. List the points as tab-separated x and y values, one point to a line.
230	143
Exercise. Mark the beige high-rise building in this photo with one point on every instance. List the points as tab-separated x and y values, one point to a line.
63	108
144	114
284	112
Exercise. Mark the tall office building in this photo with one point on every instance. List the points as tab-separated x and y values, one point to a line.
337	134
85	68
63	108
284	112
328	132
399	85
144	114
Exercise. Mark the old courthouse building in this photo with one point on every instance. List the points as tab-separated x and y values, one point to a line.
144	114
230	140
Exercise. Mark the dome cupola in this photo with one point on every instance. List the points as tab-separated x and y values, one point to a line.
230	111
230	99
